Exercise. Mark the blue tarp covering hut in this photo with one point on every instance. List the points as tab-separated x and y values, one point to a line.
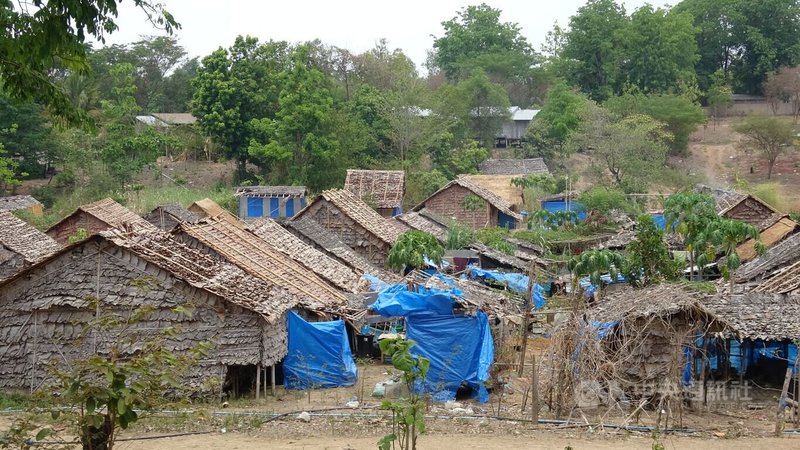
319	355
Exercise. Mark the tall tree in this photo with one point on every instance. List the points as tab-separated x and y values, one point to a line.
559	117
649	260
591	51
28	137
45	34
476	39
689	214
659	50
783	86
768	136
234	87
748	38
478	107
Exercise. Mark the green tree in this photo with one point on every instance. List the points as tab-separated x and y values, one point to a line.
476	39
45	35
8	171
596	263
408	413
463	159
411	250
658	50
680	115
630	150
155	58
299	142
784	86
726	235
590	50
649	260
601	201
233	88
29	137
558	118
768	136
747	38
477	107
719	95
689	214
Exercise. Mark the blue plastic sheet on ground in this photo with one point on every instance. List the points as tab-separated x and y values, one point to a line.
460	349
589	289
517	282
319	355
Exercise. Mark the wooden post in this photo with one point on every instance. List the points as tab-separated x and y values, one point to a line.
780	415
272	381
534	390
258	381
525	319
703	375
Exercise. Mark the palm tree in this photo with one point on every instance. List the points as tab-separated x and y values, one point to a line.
411	249
725	235
595	263
689	214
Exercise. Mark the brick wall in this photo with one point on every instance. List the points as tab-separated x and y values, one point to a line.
69	227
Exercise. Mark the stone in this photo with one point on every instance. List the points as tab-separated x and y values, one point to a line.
304	417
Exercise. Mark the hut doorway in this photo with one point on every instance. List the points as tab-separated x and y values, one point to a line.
240	381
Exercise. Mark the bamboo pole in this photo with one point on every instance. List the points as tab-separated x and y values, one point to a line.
258	381
272	381
525	320
534	390
781	413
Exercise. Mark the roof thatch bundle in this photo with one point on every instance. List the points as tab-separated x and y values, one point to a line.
207	208
759	315
384	188
500	185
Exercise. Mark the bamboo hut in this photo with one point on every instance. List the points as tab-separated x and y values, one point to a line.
21	245
96	217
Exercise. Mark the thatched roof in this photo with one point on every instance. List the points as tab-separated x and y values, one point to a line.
619	241
174	210
503	259
354	208
500	185
22	238
660	300
258	258
417	221
112	214
386	188
781	255
15	202
207	208
727	200
271	191
769	237
308	229
759	315
318	262
513	167
490	197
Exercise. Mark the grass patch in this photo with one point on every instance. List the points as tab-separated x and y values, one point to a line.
702	287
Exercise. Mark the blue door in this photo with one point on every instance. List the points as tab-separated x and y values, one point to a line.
255	207
289	207
274	208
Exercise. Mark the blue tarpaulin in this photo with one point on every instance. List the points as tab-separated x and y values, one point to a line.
589	288
660	220
460	350
517	282
319	355
561	205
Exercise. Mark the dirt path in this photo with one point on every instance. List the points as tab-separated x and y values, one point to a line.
536	440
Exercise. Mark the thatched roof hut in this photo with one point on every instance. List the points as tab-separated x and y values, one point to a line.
314	260
770	237
207	208
354	223
501	185
422	221
169	215
47	308
449	202
255	256
21	245
382	189
314	234
784	254
96	217
742	206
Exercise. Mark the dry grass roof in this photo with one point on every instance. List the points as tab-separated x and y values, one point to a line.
769	237
384	188
490	197
354	208
784	253
310	230
500	185
290	245
174	210
23	239
258	258
15	202
518	167
112	214
759	315
660	300
211	209
219	277
417	221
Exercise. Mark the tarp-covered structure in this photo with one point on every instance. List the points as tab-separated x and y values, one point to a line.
459	346
318	355
515	281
